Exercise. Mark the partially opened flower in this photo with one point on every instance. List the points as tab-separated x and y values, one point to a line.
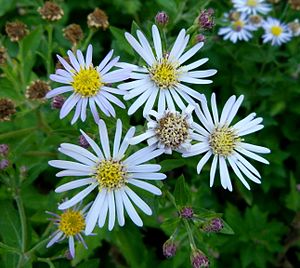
70	225
88	84
112	174
225	144
252	7
276	32
164	74
169	130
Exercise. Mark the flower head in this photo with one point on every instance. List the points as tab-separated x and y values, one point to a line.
73	33
16	31
217	138
162	18
206	19
98	19
37	90
51	11
7	109
4	163
70	225
276	32
169	248
198	259
187	213
4	148
164	75
88	84
251	6
214	225
169	130
238	30
112	174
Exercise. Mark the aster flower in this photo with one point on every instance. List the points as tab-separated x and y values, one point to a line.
276	32
88	84
238	30
169	130
252	6
164	74
112	174
225	143
70	224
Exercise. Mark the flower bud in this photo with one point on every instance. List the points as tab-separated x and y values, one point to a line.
4	149
200	38
213	226
198	259
57	102
186	213
206	19
161	18
4	163
169	248
83	142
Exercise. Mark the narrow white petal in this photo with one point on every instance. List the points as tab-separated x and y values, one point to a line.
151	155
79	157
131	210
139	101
145	44
72	246
150	102
55	238
94	110
244	121
157	42
57	91
148	176
234	109
177	45
94	145
103	213
117	139
227	109
138	201
112	210
77	112
104	138
237	172
161	101
213	170
144	168
70	172
195	64
214	108
83	109
119	207
80	150
142	137
247	164
247	172
190	53
255	148
203	161
145	186
68	105
74	184
105	60
63	164
73	60
89	55
125	143
252	155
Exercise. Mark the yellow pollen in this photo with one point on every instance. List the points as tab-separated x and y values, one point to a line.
172	130
87	82
110	174
252	3
71	222
276	30
223	141
164	74
237	25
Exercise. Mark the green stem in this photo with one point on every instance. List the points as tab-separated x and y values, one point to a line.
23	221
49	54
190	233
46	260
42	122
37	246
21	66
88	39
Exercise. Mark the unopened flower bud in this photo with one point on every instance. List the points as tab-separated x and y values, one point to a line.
7	109
4	163
51	11
200	38
16	30
161	18
206	19
169	249
73	33
198	259
83	142
213	226
57	102
98	19
186	213
4	149
68	255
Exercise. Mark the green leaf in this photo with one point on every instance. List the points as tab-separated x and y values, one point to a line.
121	41
170	164
181	192
6	6
226	229
292	200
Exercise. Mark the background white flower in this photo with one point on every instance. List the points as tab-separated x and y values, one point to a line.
164	75
89	85
252	6
276	32
169	130
225	143
112	174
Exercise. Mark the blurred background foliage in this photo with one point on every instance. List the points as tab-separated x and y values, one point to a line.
265	220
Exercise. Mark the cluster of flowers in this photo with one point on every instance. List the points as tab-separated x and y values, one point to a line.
158	84
251	15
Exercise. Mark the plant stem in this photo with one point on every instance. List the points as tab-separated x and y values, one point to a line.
21	66
49	59
190	233
88	39
37	246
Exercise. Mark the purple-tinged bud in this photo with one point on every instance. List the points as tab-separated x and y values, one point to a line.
169	249
200	38
186	213
198	259
213	226
4	149
162	18
83	142
4	163
68	255
206	19
57	102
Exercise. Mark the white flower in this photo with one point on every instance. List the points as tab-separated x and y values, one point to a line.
251	6
238	30
276	32
112	174
163	76
222	141
89	85
70	224
169	130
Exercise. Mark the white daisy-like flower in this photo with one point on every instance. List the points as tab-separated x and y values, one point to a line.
276	32
252	6
70	224
90	86
225	143
112	174
164	75
169	130
238	30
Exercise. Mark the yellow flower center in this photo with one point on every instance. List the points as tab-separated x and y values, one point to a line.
164	73
71	222
172	130
252	3
110	174
87	82
237	25
223	141
276	30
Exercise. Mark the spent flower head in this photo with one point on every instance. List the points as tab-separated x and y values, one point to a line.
51	11
7	109
73	33
295	4
16	30
98	19
37	90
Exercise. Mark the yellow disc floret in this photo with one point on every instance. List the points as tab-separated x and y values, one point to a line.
223	141
71	222
164	74
87	82
252	3
276	30
237	25
110	174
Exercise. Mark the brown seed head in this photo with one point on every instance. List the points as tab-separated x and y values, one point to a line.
37	90
7	109
98	19
295	4
16	30
51	11
73	33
